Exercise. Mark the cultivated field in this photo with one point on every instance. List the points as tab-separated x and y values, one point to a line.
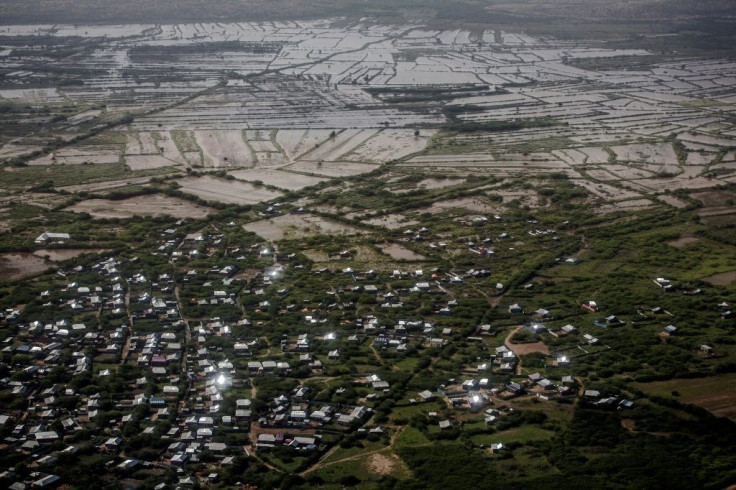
146	205
232	192
715	393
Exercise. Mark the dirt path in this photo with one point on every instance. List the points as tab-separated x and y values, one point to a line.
126	344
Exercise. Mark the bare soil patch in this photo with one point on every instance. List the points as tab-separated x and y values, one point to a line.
521	349
400	253
19	265
392	221
149	205
332	169
78	155
145	162
381	464
469	203
391	144
66	253
673	201
683	241
722	279
298	225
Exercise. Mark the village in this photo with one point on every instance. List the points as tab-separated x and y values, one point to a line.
196	352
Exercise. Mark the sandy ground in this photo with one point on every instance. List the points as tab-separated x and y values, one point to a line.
381	464
78	155
149	205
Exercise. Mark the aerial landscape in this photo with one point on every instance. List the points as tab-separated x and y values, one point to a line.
375	244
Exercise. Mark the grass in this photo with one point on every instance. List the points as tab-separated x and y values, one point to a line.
410	436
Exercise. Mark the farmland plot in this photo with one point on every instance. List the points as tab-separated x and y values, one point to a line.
278	178
331	169
399	252
339	145
392	221
144	162
147	205
79	154
390	144
224	148
647	153
295	142
298	225
225	191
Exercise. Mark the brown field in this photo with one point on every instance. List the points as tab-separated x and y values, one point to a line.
673	201
19	265
145	162
277	178
392	221
380	464
683	241
521	349
226	191
152	205
400	253
298	225
722	279
715	393
715	198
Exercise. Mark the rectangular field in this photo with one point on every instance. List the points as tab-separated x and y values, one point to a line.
716	393
226	191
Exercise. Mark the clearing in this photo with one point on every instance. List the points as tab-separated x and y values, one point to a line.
148	205
715	393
